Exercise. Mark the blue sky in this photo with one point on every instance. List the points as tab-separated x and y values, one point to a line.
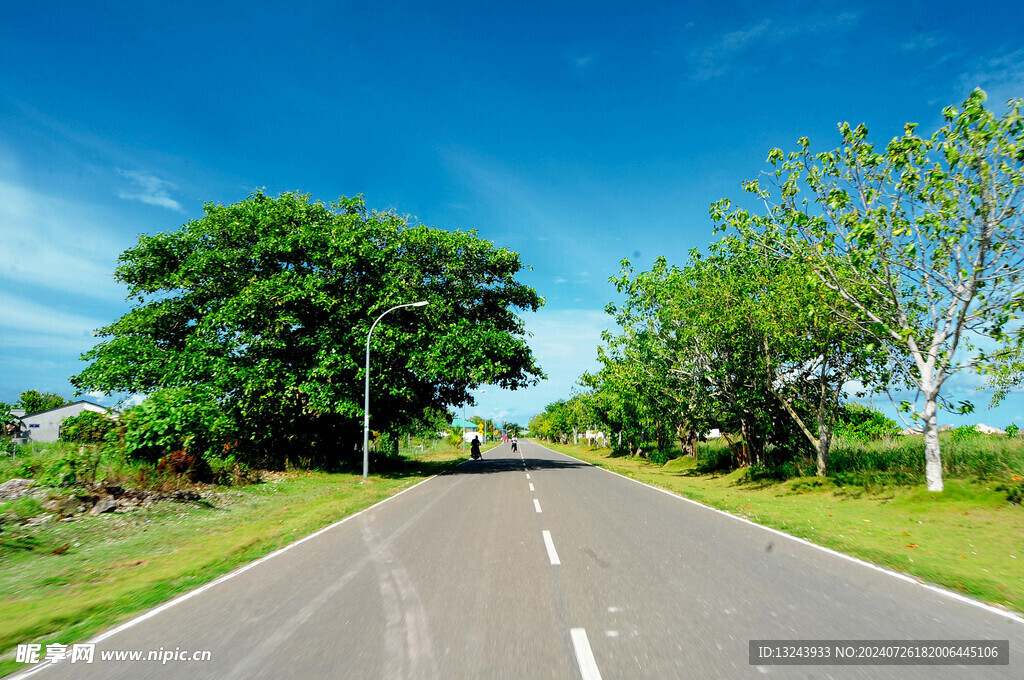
576	133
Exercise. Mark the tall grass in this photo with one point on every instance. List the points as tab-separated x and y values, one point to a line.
979	456
888	461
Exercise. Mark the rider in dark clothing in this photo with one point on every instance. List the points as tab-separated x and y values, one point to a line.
474	449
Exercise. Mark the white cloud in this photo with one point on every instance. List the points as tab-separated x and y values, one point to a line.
923	42
1001	76
42	327
725	51
150	189
57	245
585	61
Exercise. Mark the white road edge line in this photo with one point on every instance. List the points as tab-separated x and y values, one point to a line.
1013	616
230	575
536	505
550	545
584	654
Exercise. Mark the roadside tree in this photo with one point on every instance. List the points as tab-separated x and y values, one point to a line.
265	304
922	241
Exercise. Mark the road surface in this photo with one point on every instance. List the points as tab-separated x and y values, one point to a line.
536	565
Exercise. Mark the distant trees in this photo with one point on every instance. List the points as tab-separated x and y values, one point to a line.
263	306
34	401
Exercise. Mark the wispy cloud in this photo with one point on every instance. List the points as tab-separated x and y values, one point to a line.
57	245
29	325
921	43
1001	76
725	51
149	189
585	60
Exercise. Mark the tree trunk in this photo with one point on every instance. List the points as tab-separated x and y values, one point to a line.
687	441
752	444
737	454
659	436
822	443
932	456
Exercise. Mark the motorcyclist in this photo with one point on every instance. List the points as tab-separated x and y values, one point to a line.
474	449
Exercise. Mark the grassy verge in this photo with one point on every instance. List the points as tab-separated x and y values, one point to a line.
66	581
968	538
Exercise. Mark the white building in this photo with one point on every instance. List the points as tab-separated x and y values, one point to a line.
45	425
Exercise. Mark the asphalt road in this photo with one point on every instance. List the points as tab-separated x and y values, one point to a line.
535	565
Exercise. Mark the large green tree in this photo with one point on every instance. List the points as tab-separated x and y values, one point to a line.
922	242
266	303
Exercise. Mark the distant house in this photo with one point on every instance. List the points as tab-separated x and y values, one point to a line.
45	425
469	429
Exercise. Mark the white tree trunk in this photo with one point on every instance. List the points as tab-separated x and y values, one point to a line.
932	457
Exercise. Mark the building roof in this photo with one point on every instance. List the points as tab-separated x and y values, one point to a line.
74	403
468	424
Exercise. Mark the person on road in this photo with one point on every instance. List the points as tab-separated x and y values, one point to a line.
515	443
474	449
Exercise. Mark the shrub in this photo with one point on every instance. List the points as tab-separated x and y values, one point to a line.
714	457
965	433
660	457
88	427
1012	430
863	423
229	470
172	420
78	466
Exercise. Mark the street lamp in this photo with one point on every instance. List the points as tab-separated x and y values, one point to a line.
366	394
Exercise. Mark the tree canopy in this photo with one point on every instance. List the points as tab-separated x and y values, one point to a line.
265	305
34	401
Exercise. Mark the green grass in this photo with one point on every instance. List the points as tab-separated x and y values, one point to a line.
968	538
64	582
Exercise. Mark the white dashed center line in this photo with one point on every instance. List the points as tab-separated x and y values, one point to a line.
584	655
536	504
531	486
550	545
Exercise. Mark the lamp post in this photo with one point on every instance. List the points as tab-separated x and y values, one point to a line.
366	393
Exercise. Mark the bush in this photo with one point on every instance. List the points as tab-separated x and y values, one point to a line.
661	457
173	420
714	457
88	427
1012	430
863	423
229	470
78	466
965	433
